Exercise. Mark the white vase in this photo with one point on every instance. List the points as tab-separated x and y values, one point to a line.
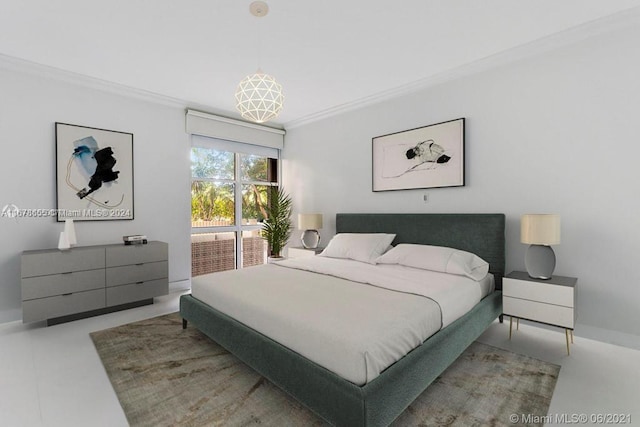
70	231
63	242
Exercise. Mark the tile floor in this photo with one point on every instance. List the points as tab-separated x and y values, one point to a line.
53	376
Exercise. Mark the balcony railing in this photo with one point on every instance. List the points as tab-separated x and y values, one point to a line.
212	252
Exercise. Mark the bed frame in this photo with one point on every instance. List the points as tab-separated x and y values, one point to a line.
380	401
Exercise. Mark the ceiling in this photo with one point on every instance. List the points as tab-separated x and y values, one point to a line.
327	55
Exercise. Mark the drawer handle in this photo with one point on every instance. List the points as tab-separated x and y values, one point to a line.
139	283
66	295
140	263
67	272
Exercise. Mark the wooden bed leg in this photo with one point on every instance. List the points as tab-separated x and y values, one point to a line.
501	318
184	323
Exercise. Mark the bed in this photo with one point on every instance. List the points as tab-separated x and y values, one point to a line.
380	401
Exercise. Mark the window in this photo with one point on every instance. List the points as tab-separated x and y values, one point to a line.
229	187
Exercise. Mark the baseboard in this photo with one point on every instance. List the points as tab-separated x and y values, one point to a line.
609	336
622	339
179	286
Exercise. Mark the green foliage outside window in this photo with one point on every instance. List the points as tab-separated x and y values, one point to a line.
212	202
212	193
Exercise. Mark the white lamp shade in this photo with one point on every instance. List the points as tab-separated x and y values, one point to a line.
540	229
309	221
259	97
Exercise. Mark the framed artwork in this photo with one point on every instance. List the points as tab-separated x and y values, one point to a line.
427	157
94	174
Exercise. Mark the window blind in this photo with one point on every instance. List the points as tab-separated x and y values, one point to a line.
222	128
233	147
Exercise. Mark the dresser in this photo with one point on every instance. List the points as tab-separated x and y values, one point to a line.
59	286
552	301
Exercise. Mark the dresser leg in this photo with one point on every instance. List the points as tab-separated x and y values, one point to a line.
518	324
566	333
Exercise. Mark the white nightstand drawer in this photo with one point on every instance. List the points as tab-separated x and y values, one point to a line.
537	291
303	252
538	311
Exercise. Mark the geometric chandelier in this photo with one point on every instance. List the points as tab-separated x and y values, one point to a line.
259	96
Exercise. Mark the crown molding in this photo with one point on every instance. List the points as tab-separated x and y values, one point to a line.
12	63
35	69
607	24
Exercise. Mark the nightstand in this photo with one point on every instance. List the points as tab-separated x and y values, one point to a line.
300	252
552	301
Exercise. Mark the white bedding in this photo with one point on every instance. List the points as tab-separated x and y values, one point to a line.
354	319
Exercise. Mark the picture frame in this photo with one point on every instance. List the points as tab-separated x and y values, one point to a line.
94	173
431	156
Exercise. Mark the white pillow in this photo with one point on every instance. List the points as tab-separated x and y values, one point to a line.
437	258
364	247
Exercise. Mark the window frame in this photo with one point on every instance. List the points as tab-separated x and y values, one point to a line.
237	184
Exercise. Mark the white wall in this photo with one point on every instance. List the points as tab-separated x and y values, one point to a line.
553	133
29	106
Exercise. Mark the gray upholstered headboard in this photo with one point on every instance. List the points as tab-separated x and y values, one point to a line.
481	234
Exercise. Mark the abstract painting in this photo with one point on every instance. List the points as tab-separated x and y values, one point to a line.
426	157
94	173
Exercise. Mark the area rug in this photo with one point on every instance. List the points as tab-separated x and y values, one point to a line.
166	376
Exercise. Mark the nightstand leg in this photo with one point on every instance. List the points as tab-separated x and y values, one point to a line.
518	324
510	326
566	332
572	336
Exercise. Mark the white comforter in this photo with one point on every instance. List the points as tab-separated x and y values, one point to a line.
352	318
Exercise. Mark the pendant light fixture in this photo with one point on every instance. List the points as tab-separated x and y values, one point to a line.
259	96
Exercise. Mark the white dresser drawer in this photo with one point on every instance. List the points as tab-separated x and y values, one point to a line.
118	255
538	311
58	284
536	291
128	274
45	262
117	295
62	305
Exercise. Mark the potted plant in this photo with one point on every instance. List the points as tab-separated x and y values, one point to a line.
277	225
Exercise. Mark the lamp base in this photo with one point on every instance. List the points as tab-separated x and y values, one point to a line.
63	242
540	262
310	239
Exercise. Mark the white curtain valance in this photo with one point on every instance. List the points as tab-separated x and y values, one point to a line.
212	126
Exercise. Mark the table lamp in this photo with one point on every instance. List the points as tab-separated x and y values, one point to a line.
540	231
310	223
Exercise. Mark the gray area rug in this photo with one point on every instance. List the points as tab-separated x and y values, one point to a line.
166	376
